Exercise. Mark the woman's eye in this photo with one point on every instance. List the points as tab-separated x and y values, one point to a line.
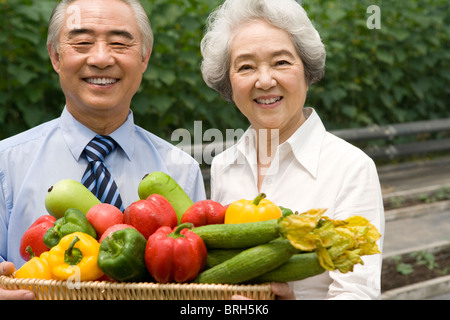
282	62
245	67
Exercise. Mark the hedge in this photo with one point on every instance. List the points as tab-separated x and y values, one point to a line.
397	73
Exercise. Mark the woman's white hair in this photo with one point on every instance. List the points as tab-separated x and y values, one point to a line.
287	15
59	12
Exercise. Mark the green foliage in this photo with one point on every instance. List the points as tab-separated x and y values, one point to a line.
398	73
173	94
401	267
418	258
440	195
29	88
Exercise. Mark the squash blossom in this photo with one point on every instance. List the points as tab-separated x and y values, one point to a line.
339	244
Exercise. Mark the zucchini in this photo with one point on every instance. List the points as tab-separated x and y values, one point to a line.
249	264
299	266
239	235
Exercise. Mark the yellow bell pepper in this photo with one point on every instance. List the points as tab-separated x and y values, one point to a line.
259	209
75	252
36	267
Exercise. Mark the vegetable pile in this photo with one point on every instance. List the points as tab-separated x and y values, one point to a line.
164	237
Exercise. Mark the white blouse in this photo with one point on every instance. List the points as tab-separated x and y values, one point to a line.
312	169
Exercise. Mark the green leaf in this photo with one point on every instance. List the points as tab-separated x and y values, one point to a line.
140	104
385	56
420	87
400	34
336	14
168	77
349	111
162	103
404	268
23	75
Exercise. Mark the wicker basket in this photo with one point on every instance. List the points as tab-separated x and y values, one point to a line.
104	290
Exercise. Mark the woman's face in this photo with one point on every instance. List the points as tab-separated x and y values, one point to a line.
267	78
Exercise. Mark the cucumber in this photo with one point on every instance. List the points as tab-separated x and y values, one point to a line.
298	267
238	235
161	183
249	264
217	256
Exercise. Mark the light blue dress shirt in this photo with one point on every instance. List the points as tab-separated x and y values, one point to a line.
32	161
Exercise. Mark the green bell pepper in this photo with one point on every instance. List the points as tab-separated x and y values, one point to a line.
74	220
121	256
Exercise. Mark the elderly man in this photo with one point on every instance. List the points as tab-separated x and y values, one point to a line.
100	49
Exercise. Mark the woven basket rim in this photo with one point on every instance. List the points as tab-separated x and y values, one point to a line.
100	290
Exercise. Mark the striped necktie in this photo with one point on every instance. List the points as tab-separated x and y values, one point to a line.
97	178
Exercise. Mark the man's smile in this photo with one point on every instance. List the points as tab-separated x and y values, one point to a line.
102	81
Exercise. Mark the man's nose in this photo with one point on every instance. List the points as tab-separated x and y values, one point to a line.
101	56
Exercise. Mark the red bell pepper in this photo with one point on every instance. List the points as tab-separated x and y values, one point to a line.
204	212
34	237
176	254
150	214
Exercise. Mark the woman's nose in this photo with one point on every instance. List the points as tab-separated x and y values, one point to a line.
265	79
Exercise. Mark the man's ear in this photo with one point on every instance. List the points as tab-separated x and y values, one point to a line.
146	59
54	57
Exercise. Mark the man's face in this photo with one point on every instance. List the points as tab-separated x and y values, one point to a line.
99	59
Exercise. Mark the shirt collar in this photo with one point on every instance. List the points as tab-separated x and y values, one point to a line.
77	136
305	143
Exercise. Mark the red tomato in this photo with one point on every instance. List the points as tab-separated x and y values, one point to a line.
104	215
115	228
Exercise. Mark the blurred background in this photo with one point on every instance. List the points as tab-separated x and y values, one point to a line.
398	73
386	89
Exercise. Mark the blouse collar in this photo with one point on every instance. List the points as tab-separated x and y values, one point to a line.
305	143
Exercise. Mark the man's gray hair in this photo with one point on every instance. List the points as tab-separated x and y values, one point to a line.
59	12
287	15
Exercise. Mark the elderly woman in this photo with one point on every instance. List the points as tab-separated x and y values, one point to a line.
263	55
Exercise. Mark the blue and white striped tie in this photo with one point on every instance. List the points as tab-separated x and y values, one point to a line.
97	178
